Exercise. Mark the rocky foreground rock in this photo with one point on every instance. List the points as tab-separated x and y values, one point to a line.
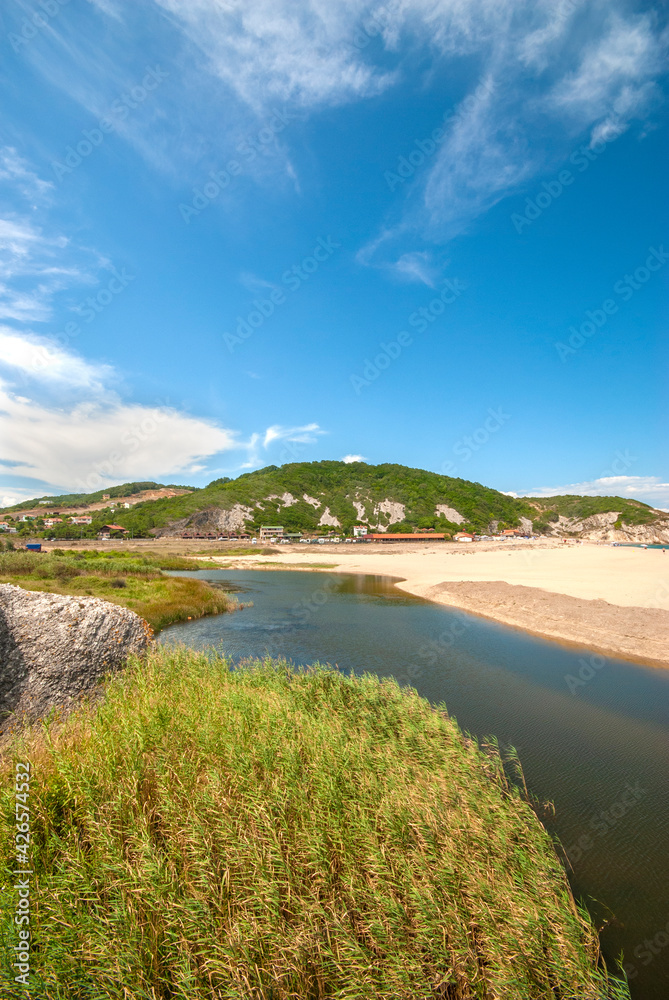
54	648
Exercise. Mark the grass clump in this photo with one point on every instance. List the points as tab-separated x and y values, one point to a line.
130	580
258	833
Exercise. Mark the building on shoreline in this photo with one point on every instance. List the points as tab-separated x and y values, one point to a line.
271	532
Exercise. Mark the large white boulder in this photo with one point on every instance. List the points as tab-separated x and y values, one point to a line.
54	648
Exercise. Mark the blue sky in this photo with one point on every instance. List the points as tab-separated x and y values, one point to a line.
422	231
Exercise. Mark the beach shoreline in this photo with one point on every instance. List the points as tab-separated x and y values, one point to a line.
608	600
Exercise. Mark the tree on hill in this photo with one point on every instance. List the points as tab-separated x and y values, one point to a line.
352	492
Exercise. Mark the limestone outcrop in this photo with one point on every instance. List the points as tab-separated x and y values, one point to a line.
209	519
54	648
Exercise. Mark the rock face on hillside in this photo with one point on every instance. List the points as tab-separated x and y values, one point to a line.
54	648
602	528
210	519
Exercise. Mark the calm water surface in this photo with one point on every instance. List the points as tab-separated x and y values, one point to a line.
599	750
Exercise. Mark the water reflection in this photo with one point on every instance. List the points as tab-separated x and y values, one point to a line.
599	752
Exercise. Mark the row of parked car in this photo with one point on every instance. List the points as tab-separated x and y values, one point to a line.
327	541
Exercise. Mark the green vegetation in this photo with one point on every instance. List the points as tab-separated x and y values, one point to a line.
338	486
264	833
77	499
632	511
131	580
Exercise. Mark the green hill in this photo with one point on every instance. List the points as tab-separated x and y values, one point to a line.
318	496
78	499
632	511
298	495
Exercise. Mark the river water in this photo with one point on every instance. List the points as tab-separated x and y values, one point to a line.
592	732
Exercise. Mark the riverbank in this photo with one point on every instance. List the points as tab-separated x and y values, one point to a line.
611	600
266	832
127	579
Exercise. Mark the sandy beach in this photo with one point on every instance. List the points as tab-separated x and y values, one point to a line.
611	600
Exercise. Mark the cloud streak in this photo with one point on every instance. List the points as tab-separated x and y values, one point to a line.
552	70
36	260
541	87
38	358
85	437
308	434
275	50
94	444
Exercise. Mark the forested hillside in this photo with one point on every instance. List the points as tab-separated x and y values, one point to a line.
298	496
79	499
321	496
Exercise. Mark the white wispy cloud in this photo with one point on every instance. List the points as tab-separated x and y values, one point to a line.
293	439
35	266
416	266
37	261
276	50
613	71
63	425
649	489
87	437
16	169
535	47
548	72
607	130
94	443
254	284
39	358
308	434
547	81
349	459
485	156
